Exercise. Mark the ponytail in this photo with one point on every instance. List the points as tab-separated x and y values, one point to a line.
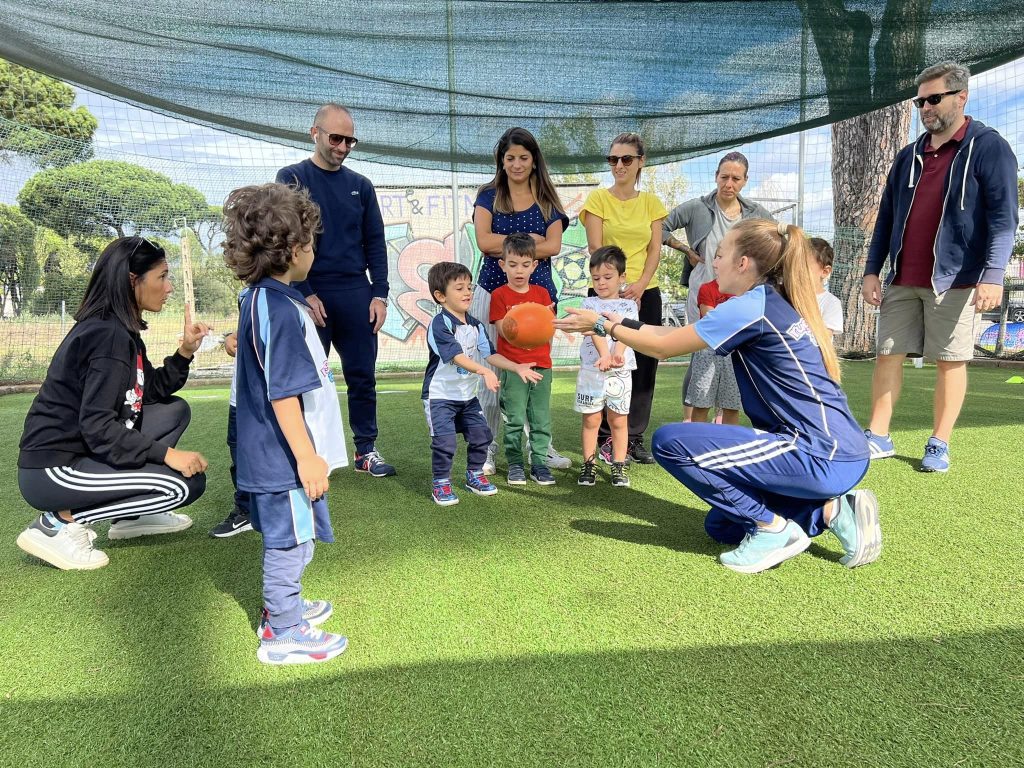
782	256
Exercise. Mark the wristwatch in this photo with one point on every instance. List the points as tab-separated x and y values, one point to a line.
381	299
599	328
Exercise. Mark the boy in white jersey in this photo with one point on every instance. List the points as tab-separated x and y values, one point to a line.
820	263
605	381
289	422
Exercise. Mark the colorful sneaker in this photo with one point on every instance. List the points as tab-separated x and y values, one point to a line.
67	546
541	475
516	475
489	467
881	446
149	525
763	549
478	483
236	522
619	476
316	612
443	494
638	452
857	527
588	475
936	456
302	644
372	464
605	452
555	460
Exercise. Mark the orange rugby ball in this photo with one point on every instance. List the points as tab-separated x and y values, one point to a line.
529	325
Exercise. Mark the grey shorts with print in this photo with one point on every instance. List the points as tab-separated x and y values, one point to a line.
914	321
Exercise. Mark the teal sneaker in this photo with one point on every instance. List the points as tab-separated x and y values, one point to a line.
857	527
763	549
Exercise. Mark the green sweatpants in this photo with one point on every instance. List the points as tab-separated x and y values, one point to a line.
523	404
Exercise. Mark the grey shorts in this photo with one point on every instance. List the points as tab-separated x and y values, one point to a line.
712	382
914	321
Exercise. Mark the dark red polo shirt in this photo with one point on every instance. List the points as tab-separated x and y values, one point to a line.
917	258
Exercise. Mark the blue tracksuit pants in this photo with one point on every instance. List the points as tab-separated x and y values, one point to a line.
747	476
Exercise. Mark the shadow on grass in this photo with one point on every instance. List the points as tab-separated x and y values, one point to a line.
906	702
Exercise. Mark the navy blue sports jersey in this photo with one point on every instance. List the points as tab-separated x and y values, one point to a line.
783	383
447	336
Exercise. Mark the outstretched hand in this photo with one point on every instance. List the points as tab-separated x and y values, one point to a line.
577	320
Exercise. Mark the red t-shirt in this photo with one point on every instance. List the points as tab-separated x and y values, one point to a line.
710	295
502	300
917	257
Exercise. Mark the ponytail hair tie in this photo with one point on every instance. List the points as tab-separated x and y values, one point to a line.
783	229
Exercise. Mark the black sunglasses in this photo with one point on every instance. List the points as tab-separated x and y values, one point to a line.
934	99
334	139
627	160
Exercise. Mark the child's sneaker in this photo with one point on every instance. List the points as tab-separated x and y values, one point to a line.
880	446
764	549
302	644
236	522
67	546
936	456
619	476
478	483
149	525
638	452
541	475
856	525
555	460
372	464
489	467
588	475
516	475
443	494
605	452
316	612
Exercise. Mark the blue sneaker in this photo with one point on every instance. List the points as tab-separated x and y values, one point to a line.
443	494
857	527
763	549
316	612
541	475
881	446
516	475
372	464
936	456
302	644
478	483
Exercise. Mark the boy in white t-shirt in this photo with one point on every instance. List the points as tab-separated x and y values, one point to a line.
605	381
821	268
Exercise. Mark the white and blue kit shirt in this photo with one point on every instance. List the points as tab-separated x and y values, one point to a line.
783	383
447	336
280	355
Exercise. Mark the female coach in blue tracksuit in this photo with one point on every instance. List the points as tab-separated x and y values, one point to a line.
790	477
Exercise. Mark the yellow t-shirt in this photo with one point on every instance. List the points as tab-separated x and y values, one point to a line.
627	224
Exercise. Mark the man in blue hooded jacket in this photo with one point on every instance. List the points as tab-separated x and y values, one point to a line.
946	224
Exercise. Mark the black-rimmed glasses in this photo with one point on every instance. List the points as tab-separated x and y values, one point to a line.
335	139
934	99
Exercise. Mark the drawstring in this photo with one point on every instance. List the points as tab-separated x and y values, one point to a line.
963	187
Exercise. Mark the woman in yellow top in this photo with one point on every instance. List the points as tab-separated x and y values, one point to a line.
624	216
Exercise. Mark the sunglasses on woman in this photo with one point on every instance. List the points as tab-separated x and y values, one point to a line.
934	99
335	139
626	160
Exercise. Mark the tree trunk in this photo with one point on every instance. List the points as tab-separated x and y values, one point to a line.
863	149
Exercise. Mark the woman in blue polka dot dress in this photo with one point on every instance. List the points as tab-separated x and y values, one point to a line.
520	198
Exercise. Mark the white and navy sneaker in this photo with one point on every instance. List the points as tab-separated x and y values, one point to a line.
372	464
302	644
316	612
68	546
880	446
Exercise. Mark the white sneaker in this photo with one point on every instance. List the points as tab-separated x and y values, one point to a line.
489	468
149	525
68	547
555	460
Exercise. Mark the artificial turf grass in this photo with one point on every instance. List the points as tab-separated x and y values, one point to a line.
544	625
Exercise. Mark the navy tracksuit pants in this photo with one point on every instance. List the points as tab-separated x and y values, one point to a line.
747	476
349	330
